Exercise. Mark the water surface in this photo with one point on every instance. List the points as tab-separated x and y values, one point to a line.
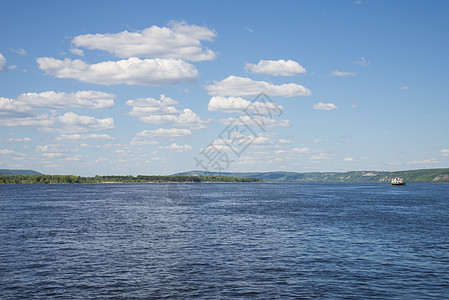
224	240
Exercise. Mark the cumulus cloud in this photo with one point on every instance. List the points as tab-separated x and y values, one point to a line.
81	99
301	150
13	154
9	152
53	155
139	141
241	141
243	86
178	148
148	106
424	162
2	63
325	106
165	133
33	120
83	137
81	123
77	51
12	108
444	152
322	156
19	112
25	139
350	159
261	121
186	119
284	141
177	41
52	148
343	74
237	104
132	71
276	67
164	111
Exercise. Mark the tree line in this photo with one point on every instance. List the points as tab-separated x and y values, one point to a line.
42	179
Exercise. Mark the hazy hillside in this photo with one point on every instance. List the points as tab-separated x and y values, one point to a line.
426	175
18	172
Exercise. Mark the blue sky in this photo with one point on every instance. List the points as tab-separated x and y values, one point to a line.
139	87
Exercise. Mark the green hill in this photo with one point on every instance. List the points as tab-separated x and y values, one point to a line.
18	172
425	175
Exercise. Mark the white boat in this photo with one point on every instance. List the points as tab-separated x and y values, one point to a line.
397	181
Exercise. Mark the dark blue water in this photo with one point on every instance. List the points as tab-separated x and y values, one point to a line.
222	240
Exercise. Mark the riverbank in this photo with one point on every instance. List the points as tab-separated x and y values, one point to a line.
55	179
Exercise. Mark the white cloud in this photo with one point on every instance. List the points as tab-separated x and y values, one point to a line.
165	133
187	118
81	123
362	62
81	99
283	141
139	141
404	88
179	40
325	106
279	152
444	152
20	51
238	140
74	158
2	63
424	162
178	148
343	74
148	106
276	67
77	51
52	148
261	121
317	141
301	150
12	108
11	152
164	112
350	159
19	113
25	139
34	120
132	71
53	155
322	156
243	86
237	104
83	137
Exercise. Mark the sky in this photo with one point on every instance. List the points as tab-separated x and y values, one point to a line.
159	87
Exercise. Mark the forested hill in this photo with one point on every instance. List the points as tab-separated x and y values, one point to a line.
425	175
36	179
18	172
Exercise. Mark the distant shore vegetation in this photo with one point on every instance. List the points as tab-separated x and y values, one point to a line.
42	179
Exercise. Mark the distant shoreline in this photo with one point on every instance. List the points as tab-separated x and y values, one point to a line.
60	179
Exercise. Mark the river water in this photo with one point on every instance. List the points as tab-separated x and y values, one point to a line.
224	240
